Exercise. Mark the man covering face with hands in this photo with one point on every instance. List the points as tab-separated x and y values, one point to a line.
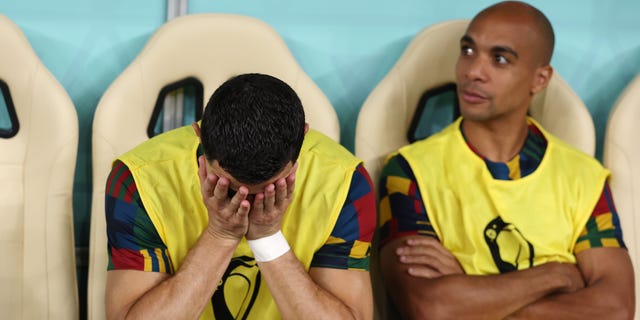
250	214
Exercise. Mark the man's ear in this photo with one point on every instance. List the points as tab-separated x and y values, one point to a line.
306	128
196	129
541	79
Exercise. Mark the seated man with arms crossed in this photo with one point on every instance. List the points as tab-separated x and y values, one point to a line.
204	221
494	217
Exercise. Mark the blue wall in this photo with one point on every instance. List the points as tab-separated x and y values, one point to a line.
346	47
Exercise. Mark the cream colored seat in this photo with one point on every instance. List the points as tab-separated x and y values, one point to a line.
429	63
211	48
37	163
622	156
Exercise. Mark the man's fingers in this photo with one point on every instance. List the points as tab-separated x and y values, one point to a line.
423	241
269	197
202	168
427	242
238	199
220	193
209	186
281	192
424	272
420	259
244	208
291	181
427	251
258	203
207	183
431	261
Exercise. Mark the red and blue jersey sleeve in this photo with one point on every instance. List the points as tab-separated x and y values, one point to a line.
349	245
402	212
133	242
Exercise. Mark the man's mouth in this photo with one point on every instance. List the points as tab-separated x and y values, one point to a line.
473	96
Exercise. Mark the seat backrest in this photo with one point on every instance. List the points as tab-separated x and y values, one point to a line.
622	156
37	163
211	48
428	63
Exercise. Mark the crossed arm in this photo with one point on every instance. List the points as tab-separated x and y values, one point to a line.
320	293
425	281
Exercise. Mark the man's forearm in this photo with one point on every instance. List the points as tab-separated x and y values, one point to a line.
296	293
609	293
589	303
185	294
478	297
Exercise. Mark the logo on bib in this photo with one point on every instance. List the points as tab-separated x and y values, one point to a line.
509	248
237	290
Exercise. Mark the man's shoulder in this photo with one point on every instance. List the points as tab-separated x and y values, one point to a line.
572	155
317	144
167	145
560	146
435	144
178	134
425	148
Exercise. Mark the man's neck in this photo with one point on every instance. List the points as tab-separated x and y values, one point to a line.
497	141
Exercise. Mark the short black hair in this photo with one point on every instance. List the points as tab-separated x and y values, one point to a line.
253	125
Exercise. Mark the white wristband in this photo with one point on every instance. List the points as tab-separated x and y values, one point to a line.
269	248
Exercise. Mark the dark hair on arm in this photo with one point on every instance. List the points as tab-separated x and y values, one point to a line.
253	125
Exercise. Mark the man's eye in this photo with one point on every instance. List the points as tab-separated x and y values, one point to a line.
466	51
501	59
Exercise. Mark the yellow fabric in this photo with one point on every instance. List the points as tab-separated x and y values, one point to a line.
165	171
532	220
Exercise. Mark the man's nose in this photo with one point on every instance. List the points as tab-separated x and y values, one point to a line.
476	69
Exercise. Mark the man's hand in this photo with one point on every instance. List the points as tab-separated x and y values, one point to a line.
228	218
428	258
573	275
268	208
